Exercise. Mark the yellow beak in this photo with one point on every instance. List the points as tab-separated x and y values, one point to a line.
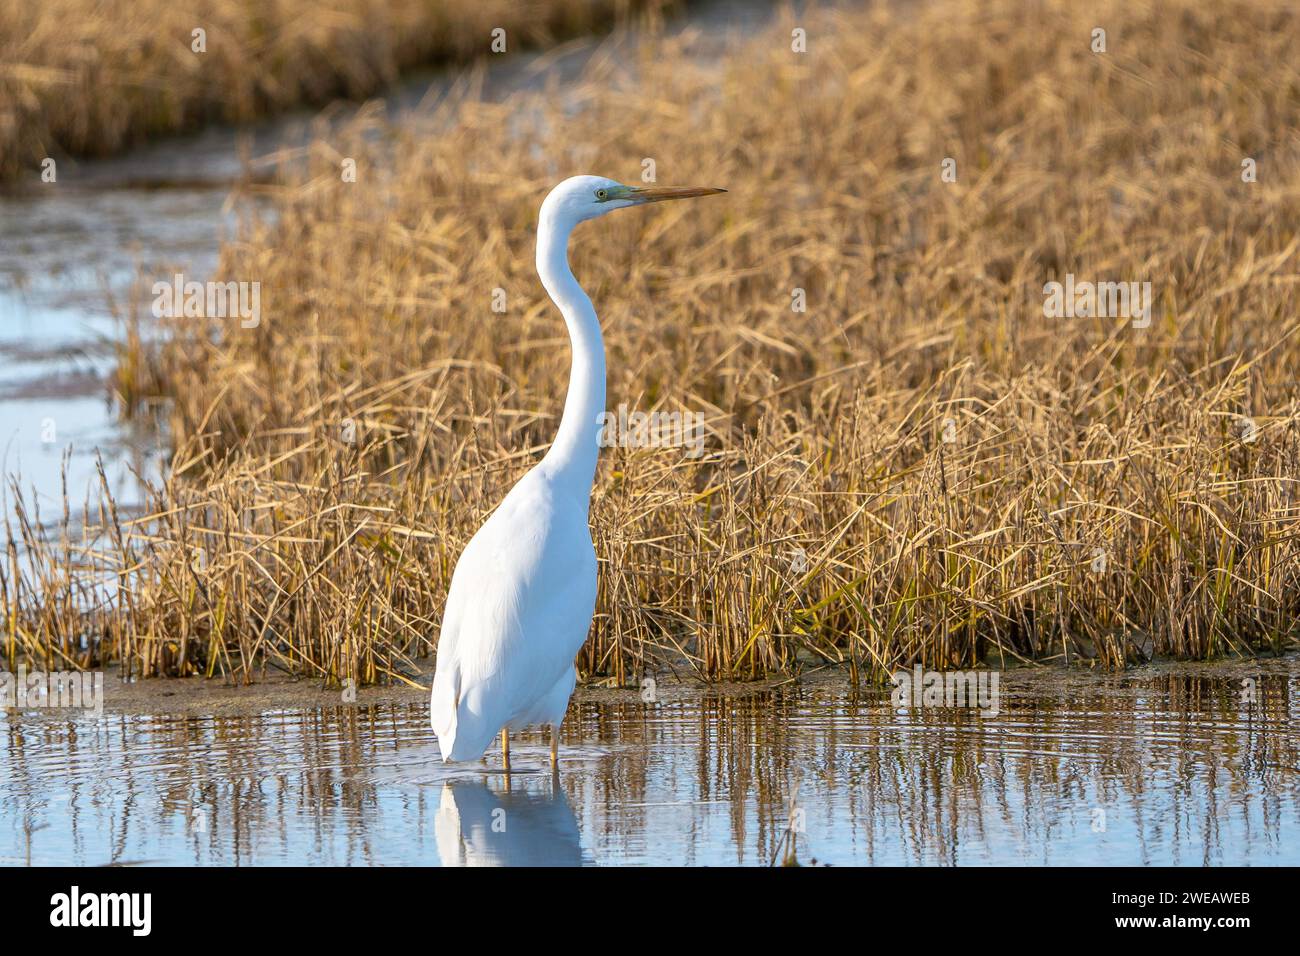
662	193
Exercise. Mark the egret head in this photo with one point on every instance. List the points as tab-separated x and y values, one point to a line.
580	198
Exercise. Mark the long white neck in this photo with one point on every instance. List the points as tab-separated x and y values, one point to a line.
572	458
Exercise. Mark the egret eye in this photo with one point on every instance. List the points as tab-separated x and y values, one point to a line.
602	194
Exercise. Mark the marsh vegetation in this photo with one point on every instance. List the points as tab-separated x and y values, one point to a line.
920	466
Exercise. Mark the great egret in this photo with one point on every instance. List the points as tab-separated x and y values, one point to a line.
523	591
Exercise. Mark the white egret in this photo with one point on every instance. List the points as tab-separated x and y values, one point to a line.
523	591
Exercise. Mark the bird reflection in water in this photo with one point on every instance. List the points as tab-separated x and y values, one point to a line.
515	825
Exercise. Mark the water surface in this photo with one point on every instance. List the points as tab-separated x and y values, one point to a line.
1140	769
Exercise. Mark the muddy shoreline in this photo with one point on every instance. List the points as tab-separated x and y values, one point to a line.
197	696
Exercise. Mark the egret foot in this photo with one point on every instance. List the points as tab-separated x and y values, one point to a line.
505	748
555	747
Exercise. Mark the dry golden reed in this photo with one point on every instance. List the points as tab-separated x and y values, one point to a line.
87	77
920	468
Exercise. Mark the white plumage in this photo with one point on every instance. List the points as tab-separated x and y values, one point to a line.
518	611
523	591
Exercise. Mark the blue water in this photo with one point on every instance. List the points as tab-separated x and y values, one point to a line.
1147	768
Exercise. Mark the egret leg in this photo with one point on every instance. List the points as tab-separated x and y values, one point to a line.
505	748
555	747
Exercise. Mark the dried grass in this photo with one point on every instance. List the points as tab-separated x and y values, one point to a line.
88	77
1072	437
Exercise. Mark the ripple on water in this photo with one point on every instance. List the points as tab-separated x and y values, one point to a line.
1096	774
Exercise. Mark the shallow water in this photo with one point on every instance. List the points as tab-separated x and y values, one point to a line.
1144	768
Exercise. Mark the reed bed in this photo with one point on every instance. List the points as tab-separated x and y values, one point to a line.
88	77
919	468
